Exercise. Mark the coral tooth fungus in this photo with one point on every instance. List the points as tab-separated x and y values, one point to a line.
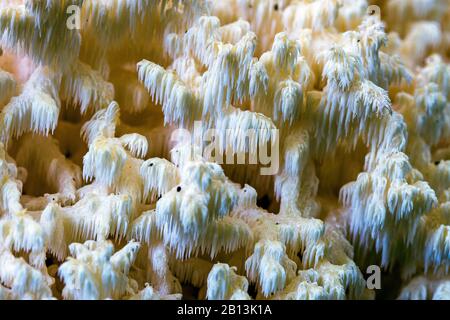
251	149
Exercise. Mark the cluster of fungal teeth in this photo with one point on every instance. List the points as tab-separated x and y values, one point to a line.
99	199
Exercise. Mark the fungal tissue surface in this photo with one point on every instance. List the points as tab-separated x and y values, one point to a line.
233	149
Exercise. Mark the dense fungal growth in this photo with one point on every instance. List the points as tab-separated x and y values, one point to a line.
256	149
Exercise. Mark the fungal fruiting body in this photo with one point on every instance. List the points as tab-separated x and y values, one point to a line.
260	149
